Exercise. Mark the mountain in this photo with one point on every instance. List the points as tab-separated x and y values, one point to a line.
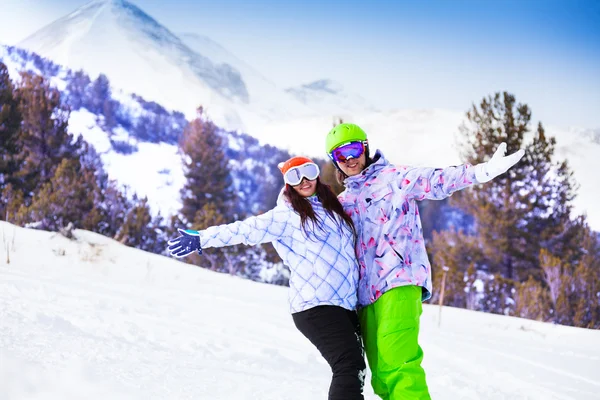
118	39
181	72
92	319
264	93
330	98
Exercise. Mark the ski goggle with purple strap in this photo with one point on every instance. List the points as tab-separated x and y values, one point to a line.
347	151
294	175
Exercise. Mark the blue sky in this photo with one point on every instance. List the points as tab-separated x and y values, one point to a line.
397	54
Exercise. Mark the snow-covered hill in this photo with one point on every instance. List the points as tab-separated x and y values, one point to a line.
94	319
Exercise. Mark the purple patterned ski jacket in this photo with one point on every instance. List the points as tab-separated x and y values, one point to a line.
382	202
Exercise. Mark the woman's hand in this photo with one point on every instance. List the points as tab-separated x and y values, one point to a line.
186	244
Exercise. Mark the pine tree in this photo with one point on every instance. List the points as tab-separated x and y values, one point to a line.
207	196
574	288
12	201
99	93
460	253
532	200
214	259
140	230
115	206
44	138
10	122
66	198
77	89
533	300
586	280
206	169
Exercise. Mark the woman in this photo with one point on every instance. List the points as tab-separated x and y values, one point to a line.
395	274
315	239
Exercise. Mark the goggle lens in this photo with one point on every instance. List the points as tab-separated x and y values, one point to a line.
347	151
295	175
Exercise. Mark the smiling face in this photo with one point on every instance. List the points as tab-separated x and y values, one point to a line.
353	166
306	188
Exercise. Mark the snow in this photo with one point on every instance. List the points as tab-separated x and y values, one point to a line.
94	319
82	122
153	171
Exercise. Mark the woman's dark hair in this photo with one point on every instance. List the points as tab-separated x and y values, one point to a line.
328	199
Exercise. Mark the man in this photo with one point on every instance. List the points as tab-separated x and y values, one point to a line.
395	273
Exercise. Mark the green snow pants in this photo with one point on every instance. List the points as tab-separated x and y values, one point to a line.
390	328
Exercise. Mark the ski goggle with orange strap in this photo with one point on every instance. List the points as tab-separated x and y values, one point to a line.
294	175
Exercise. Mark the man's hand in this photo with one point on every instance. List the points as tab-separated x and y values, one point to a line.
499	164
186	244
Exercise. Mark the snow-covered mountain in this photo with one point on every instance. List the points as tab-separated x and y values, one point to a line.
264	94
92	319
330	98
181	72
118	39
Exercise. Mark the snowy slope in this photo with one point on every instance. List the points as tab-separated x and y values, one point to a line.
94	319
154	171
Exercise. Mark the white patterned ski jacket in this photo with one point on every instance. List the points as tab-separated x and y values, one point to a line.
324	269
382	202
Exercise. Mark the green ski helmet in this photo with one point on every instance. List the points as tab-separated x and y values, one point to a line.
344	133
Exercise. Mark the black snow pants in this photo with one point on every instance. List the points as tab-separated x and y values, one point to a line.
335	332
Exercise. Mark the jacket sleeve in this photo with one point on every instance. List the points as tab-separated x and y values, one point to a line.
436	183
263	228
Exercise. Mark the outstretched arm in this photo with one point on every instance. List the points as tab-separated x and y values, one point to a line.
263	228
438	183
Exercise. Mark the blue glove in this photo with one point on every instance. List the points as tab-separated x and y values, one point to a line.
186	244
